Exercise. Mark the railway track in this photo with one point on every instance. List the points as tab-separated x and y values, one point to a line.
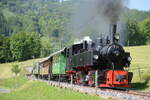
119	94
140	93
132	92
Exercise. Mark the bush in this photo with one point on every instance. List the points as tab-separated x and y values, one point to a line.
15	69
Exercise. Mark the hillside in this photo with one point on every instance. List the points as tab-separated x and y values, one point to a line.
5	68
42	16
140	66
45	16
48	25
137	15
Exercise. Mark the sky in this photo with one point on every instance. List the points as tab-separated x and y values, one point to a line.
140	4
137	4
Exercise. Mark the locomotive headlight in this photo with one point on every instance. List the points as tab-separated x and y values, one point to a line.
96	57
129	58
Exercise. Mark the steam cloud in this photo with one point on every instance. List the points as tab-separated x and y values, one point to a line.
96	16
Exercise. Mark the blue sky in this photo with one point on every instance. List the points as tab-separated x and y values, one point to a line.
140	4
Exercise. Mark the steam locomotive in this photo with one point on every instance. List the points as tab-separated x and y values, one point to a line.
101	63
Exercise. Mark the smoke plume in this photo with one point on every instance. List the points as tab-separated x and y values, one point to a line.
95	16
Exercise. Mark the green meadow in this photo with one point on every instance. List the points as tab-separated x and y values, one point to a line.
140	66
34	90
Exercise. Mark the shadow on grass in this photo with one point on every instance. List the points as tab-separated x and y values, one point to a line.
141	85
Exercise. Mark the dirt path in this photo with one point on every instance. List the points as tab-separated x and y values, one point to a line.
3	90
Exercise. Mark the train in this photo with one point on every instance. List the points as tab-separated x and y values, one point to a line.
101	62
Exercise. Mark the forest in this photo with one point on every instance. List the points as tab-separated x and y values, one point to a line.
35	28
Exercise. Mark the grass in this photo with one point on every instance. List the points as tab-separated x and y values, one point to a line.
6	68
13	82
34	90
140	66
24	89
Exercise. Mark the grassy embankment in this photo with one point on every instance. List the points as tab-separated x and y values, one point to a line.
24	89
140	66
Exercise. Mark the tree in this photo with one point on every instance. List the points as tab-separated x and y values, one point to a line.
15	69
5	54
145	29
18	46
134	36
3	25
25	46
46	48
35	44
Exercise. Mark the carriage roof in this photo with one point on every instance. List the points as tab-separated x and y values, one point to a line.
50	56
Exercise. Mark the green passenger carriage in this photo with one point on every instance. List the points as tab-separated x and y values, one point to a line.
59	63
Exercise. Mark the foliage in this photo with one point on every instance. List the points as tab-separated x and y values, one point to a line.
15	69
45	17
134	14
25	46
134	35
134	20
51	20
5	54
41	16
145	29
4	27
46	46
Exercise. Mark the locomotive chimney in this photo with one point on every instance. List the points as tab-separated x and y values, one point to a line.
114	28
113	33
